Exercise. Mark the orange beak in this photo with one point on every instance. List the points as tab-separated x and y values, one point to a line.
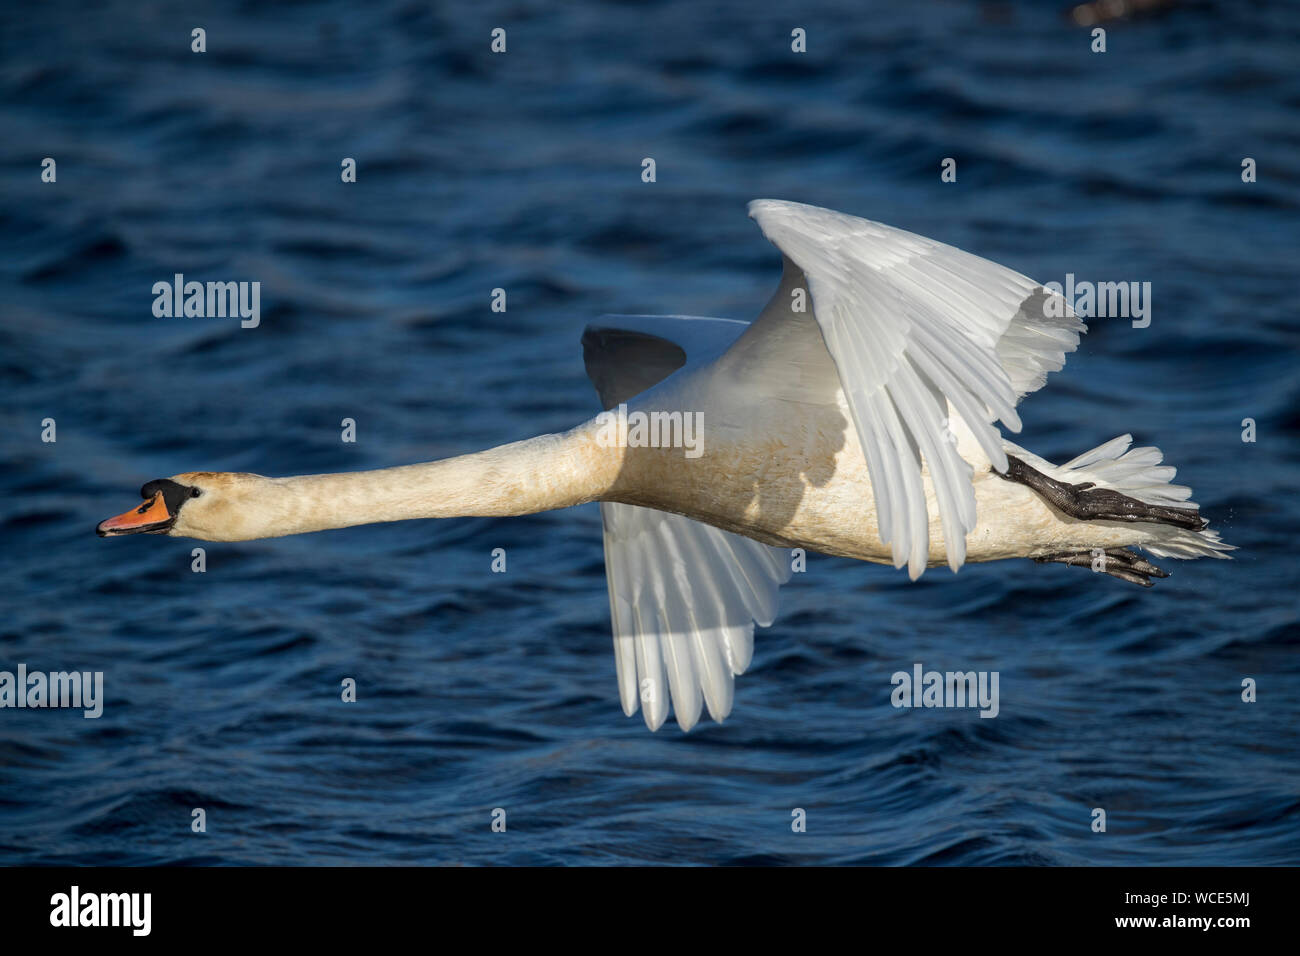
152	516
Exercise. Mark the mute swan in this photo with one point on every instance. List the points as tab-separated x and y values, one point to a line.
855	417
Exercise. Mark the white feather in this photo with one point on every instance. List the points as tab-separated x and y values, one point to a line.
913	325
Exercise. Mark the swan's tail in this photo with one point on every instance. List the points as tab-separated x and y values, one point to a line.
1138	473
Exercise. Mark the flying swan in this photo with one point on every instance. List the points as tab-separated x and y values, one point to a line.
857	416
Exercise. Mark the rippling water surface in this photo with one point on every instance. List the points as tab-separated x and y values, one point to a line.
522	171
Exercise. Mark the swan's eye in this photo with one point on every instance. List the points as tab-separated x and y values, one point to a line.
194	492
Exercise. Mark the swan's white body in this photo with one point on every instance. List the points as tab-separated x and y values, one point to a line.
855	417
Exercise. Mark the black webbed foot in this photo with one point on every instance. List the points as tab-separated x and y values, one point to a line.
1117	562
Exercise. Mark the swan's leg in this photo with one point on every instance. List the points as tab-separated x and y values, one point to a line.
1089	503
1117	562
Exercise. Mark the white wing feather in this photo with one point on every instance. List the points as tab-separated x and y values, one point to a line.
913	327
684	597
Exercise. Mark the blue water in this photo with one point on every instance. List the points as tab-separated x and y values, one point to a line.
522	171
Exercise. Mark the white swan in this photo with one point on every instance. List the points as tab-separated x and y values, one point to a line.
855	417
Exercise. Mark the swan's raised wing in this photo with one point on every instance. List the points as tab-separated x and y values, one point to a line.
914	327
684	596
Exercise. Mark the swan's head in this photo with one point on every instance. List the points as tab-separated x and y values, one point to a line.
213	506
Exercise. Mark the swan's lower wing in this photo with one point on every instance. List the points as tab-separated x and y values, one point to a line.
683	595
684	598
914	327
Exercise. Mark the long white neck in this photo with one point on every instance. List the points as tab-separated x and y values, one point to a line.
538	474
